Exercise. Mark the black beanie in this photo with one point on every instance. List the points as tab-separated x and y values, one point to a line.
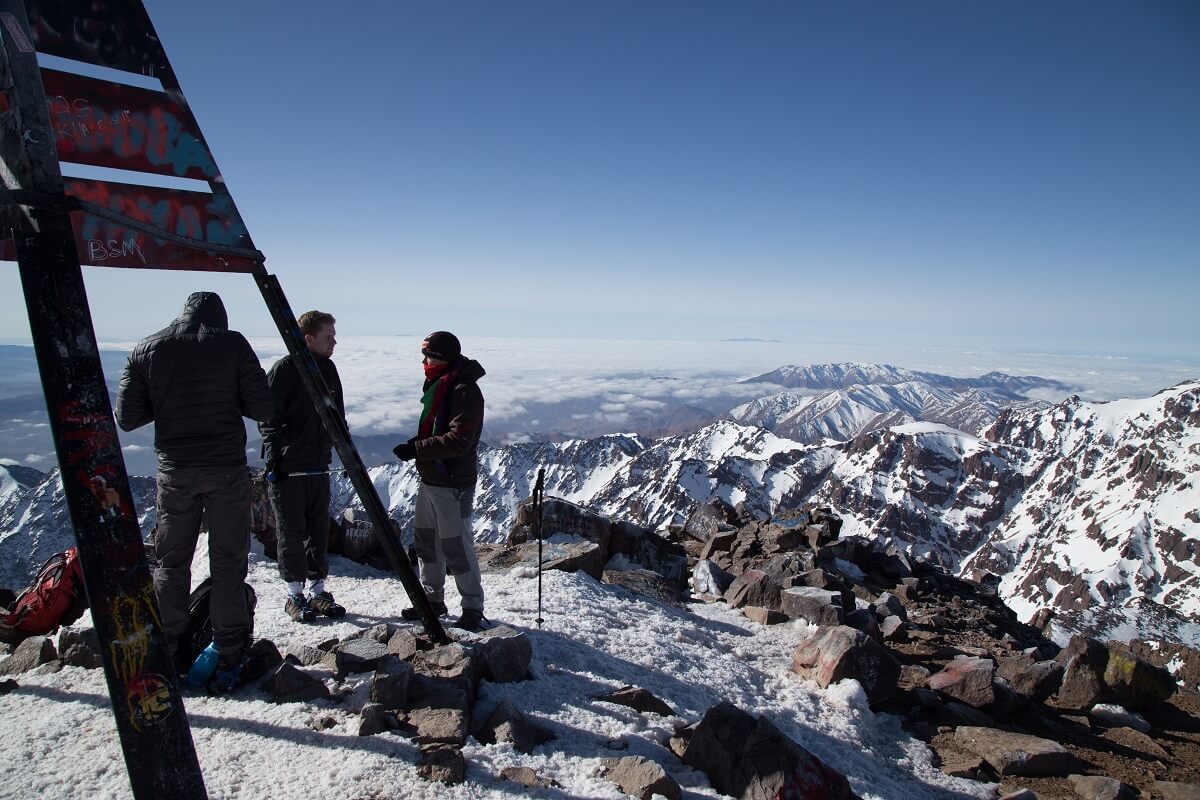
441	345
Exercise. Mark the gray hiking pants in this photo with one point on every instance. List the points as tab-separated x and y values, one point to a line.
222	496
301	505
442	536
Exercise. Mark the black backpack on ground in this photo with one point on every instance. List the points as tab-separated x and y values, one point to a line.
199	633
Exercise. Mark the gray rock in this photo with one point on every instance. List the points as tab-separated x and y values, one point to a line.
1172	790
836	653
305	656
764	616
443	764
389	685
451	664
641	778
31	653
818	606
888	605
1082	685
966	679
403	644
708	578
1101	787
506	654
527	778
754	588
288	684
863	620
638	699
1035	682
374	720
951	712
1017	753
80	655
508	724
748	757
67	637
646	583
893	629
358	655
380	633
439	725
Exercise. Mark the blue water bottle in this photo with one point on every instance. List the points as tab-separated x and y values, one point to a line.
203	667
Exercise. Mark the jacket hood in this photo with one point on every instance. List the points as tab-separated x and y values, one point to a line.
204	308
469	370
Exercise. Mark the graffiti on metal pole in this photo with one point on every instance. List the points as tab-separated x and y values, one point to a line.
107	124
118	35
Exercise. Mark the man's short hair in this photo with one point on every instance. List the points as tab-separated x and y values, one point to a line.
311	321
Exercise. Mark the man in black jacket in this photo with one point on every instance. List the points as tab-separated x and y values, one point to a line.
195	380
295	441
445	452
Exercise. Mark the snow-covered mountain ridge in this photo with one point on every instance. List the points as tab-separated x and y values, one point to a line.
1089	509
840	401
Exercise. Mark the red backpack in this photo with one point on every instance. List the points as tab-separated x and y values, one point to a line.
55	597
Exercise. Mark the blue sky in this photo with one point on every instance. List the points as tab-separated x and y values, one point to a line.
1007	175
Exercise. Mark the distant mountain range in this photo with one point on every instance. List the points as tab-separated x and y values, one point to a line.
1087	509
840	401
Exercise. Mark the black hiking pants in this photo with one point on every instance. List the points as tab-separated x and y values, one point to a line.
301	505
221	496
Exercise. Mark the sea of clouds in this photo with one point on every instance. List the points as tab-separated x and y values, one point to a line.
548	388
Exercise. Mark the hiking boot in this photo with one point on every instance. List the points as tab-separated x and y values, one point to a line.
230	674
298	608
471	620
322	603
439	608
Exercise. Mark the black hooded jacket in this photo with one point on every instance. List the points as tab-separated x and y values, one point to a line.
195	380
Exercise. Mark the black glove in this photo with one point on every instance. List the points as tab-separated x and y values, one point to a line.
406	451
274	473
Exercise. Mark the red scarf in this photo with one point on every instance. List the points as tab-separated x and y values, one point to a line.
433	405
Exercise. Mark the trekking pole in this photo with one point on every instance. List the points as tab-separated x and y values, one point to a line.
538	489
302	473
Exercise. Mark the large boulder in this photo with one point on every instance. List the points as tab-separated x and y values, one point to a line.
1135	682
837	653
646	583
749	758
754	588
967	679
32	652
1017	753
818	606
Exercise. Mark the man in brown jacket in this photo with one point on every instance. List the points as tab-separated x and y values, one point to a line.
445	453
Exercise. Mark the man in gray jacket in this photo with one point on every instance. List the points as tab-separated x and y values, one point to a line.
195	380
